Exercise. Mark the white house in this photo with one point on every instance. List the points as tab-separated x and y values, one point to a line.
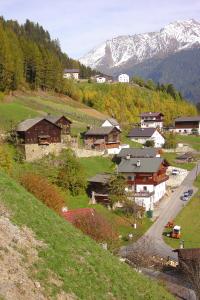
123	78
152	120
101	79
141	135
110	123
146	179
187	125
71	73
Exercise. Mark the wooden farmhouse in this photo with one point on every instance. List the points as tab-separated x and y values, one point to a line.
152	120
187	125
103	138
39	137
98	188
61	121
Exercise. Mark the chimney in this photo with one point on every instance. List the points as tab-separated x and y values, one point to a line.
128	156
138	164
88	127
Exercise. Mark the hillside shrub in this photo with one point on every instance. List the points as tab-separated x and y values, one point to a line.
42	189
97	227
5	160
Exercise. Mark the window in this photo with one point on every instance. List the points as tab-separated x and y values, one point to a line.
145	188
129	177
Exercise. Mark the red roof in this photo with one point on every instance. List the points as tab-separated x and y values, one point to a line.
72	215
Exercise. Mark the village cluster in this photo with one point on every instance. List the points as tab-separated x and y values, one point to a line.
144	170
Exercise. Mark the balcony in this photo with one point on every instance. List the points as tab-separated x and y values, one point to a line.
141	194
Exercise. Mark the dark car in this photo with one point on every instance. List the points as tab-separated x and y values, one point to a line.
190	192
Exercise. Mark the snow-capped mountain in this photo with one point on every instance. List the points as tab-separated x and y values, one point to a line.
117	52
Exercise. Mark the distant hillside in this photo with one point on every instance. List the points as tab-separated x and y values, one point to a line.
68	264
30	58
126	101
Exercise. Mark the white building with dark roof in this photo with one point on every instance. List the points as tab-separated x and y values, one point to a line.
142	135
123	78
146	179
71	73
111	122
151	120
187	125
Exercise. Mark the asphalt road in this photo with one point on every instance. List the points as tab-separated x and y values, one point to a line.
153	237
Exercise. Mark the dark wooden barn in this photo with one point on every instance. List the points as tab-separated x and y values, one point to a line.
62	122
38	131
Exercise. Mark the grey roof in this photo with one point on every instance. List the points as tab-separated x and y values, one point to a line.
71	70
100	178
151	114
54	119
113	121
188	119
147	165
141	132
136	152
100	130
27	124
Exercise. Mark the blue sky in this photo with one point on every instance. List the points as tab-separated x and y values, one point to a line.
81	25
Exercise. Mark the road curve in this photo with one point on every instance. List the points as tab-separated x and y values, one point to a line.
154	236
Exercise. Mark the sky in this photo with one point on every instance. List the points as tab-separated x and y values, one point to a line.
81	25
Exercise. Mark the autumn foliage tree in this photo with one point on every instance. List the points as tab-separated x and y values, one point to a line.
43	190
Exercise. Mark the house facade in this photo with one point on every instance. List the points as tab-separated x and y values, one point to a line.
142	135
38	137
187	125
100	79
146	179
103	138
151	120
123	78
71	73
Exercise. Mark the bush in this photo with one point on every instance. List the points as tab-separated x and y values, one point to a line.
71	175
5	160
97	227
149	143
170	141
43	190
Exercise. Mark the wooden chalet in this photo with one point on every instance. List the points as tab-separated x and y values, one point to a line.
187	125
61	121
102	138
98	188
38	131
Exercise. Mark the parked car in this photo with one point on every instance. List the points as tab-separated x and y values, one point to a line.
186	194
190	192
175	172
184	198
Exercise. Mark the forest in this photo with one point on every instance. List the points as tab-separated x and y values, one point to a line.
29	58
125	102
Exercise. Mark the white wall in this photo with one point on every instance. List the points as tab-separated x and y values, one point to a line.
101	79
123	78
158	139
71	75
151	124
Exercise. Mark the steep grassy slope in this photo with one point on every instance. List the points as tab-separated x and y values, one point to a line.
84	269
22	106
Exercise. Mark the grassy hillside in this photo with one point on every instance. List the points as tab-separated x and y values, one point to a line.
22	106
84	269
189	221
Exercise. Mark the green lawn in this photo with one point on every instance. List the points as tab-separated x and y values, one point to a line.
171	158
98	164
189	220
85	270
192	140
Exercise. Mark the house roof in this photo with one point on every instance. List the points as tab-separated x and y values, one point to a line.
101	130
136	152
29	123
142	132
147	165
113	121
55	119
191	253
72	215
151	114
71	70
188	119
100	178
